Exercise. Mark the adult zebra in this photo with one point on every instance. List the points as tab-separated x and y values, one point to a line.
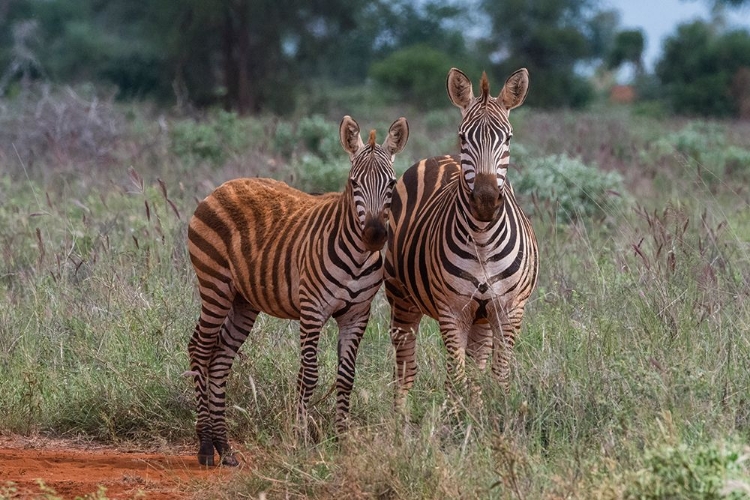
460	249
258	245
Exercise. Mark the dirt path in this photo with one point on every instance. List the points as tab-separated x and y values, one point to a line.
78	469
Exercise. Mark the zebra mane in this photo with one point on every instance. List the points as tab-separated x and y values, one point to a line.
485	85
371	141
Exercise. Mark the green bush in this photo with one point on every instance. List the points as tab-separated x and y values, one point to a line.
216	138
417	73
438	120
688	472
192	140
317	175
320	137
704	146
284	139
574	189
316	159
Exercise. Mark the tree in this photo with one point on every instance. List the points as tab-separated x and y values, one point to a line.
246	53
258	47
416	46
549	37
698	68
417	74
627	48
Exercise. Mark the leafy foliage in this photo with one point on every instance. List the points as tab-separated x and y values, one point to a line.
704	149
260	55
698	67
214	140
417	73
576	191
628	47
549	37
689	472
322	167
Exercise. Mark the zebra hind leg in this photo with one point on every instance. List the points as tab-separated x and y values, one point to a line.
233	333
201	350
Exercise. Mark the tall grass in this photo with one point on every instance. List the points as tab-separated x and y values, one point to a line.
630	374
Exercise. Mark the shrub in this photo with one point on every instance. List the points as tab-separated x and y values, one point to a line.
417	73
705	147
576	190
688	472
317	175
284	139
61	126
216	138
192	140
320	137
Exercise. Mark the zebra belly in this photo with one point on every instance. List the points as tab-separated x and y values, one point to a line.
279	299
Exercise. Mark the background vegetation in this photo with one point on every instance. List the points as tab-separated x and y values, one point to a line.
630	378
293	56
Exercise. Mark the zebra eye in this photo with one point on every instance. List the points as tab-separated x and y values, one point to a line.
354	182
462	136
391	183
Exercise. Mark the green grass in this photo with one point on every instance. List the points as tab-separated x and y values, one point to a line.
630	375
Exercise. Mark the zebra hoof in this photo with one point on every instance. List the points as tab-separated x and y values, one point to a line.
207	460
225	452
206	453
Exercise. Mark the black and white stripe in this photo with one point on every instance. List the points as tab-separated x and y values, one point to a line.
460	248
258	245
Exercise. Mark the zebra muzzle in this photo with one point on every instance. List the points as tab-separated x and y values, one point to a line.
485	200
374	234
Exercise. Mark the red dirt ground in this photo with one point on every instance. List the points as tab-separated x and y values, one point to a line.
75	469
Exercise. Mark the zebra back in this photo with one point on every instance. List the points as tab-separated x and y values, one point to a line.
268	241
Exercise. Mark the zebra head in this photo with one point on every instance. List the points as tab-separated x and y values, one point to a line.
371	178
485	134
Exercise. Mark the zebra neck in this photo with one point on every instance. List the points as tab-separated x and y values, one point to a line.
475	230
347	236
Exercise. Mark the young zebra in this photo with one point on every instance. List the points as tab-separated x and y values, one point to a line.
460	249
258	245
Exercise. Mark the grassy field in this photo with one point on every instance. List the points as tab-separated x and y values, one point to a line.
631	374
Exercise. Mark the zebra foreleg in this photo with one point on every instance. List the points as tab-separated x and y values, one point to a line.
478	349
504	338
405	317
307	378
351	329
455	346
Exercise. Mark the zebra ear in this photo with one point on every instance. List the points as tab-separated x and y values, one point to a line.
459	88
398	135
349	135
515	89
